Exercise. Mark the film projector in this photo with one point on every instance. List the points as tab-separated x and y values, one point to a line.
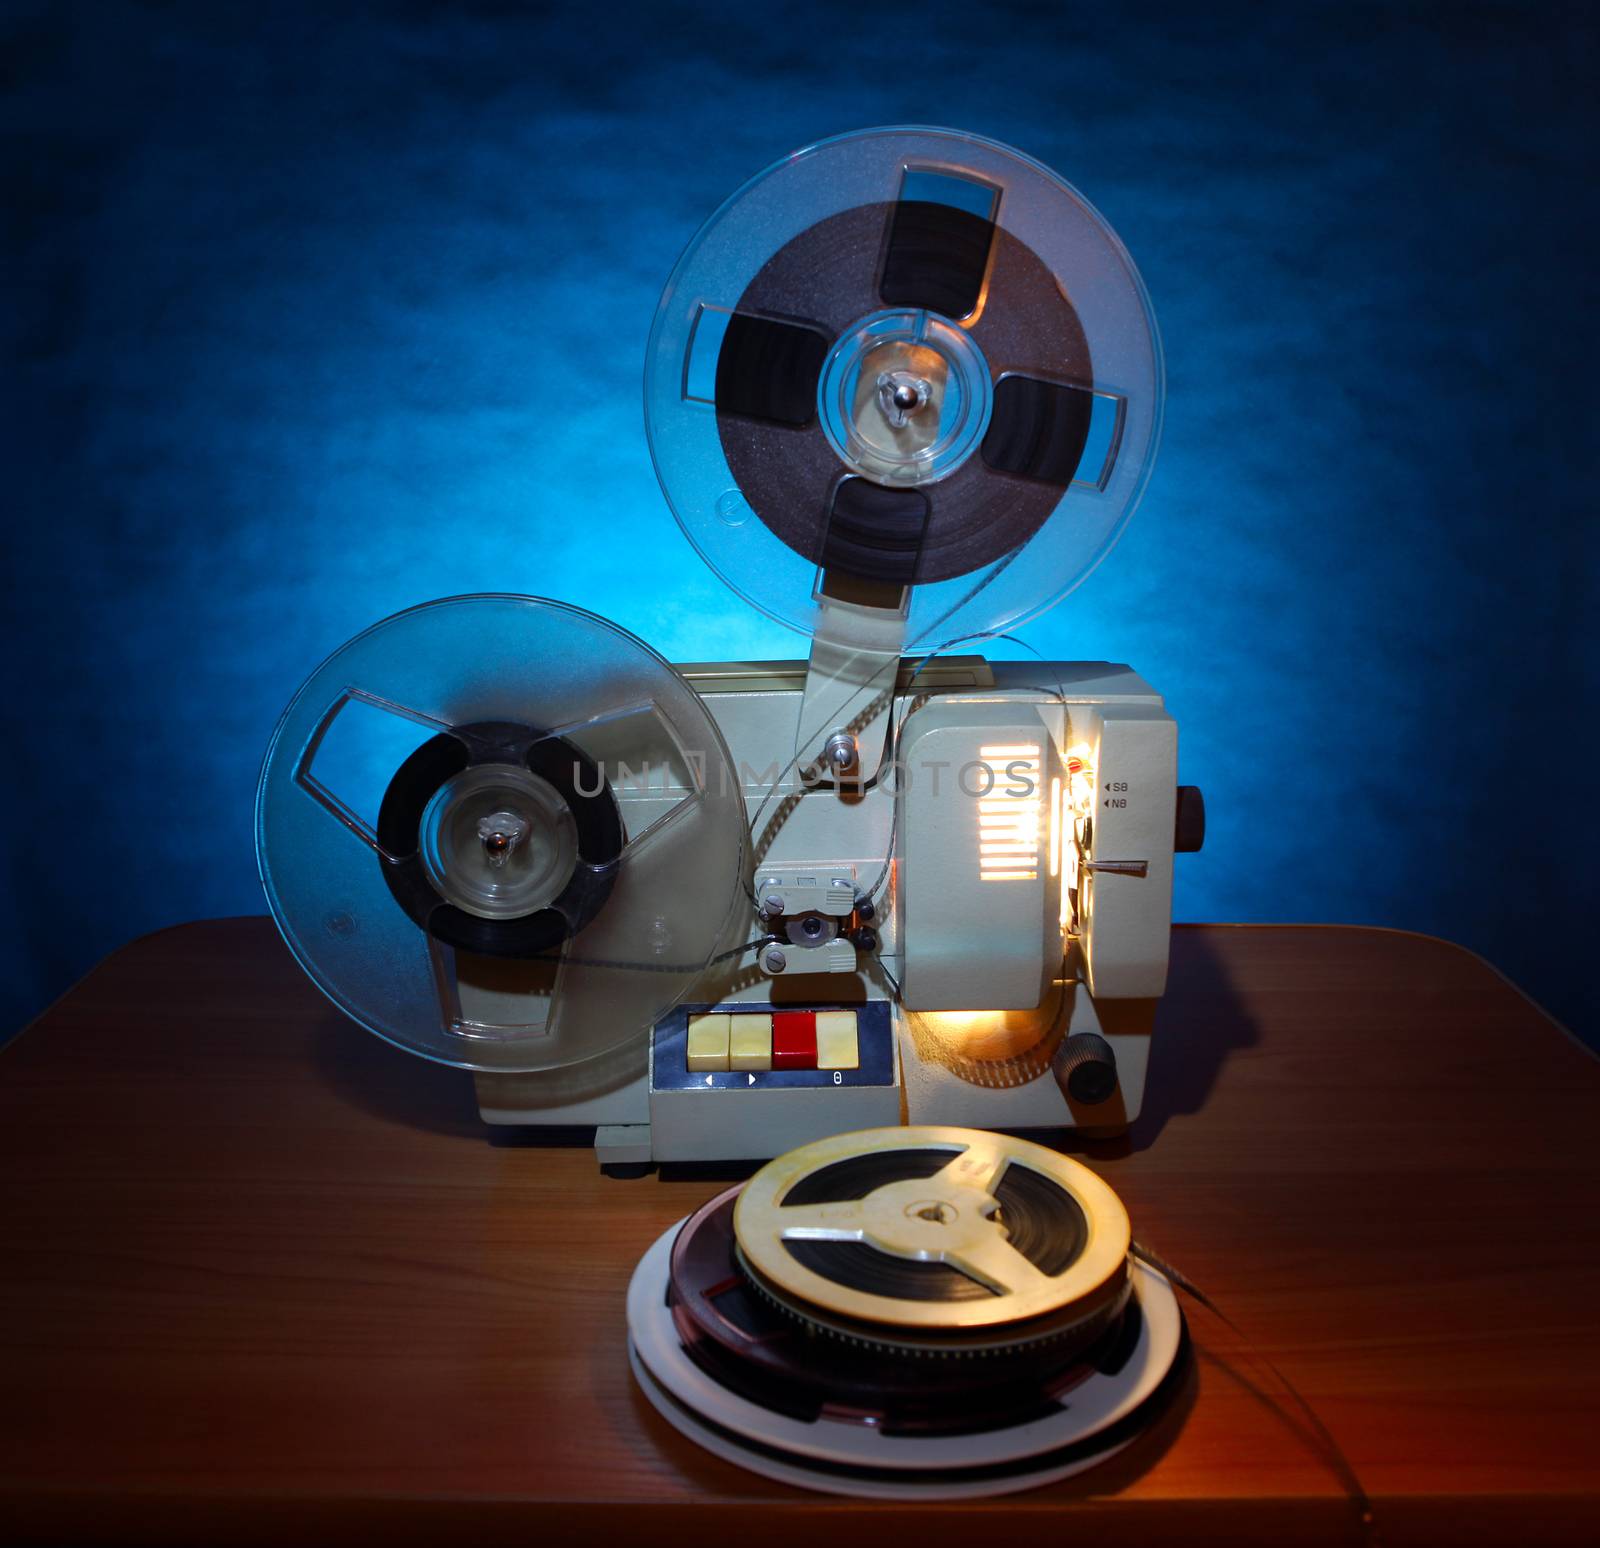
903	392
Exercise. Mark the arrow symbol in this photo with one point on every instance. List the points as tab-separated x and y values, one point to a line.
751	1079
708	1080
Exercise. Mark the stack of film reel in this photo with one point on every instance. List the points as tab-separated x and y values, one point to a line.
909	1313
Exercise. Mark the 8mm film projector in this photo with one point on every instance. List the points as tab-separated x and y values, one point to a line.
903	391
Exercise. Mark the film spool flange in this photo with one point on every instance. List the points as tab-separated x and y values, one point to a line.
899	1235
545	708
912	267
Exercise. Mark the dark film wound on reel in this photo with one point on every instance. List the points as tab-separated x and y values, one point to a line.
845	269
800	1367
567	902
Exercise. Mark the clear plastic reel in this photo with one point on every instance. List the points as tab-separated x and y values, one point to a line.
879	166
674	902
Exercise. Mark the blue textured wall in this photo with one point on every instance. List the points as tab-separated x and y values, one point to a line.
318	311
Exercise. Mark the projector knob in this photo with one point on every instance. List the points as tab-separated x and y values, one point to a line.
1189	826
1087	1068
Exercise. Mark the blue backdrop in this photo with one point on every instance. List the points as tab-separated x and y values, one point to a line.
321	310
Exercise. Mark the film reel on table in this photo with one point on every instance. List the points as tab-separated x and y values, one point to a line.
922	1312
895	364
936	1241
501	833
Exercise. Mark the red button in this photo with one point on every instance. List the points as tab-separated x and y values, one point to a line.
794	1040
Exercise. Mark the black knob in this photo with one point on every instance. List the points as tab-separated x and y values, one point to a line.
1087	1068
1189	829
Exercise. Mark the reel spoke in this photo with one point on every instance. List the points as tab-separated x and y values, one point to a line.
981	1165
937	254
1038	430
996	1263
843	1220
767	370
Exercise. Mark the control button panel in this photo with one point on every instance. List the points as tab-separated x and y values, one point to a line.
737	1046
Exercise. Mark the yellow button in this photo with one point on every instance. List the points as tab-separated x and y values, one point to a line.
837	1048
750	1042
708	1041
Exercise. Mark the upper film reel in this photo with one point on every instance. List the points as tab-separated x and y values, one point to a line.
904	358
501	832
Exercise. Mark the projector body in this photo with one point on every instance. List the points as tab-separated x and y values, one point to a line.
1006	862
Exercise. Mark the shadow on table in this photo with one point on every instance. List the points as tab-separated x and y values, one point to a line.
1200	1021
380	1080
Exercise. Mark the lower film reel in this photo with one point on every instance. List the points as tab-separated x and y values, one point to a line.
936	1239
927	1400
501	832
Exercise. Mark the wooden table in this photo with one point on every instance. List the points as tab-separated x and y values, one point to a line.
265	1281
